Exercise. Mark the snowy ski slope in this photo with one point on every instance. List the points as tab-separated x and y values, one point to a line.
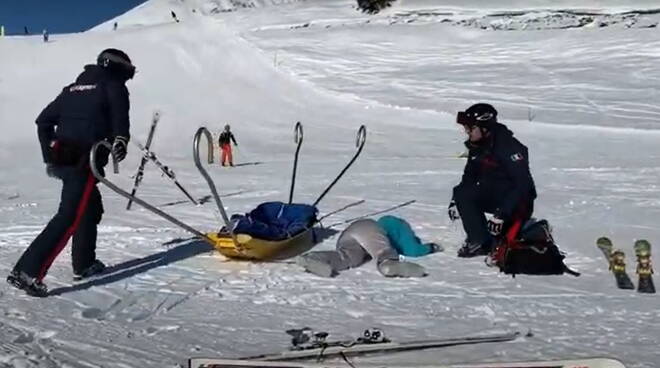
594	143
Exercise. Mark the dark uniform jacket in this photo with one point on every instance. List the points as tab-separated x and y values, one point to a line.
500	165
93	108
225	137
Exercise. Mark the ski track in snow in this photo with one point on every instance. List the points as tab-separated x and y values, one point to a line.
170	297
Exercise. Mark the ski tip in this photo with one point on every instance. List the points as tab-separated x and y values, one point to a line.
642	244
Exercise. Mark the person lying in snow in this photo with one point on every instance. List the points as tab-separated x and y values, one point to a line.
383	240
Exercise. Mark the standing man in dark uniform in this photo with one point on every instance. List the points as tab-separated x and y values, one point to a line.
93	108
496	180
226	137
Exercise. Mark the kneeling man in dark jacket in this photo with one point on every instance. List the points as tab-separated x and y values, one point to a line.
496	180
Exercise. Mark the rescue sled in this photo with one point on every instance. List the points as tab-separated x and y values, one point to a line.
249	236
235	240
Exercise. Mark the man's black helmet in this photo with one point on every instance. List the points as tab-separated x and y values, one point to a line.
481	114
117	63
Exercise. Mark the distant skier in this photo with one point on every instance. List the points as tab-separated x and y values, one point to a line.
174	16
383	240
45	35
25	30
496	180
226	137
114	26
93	108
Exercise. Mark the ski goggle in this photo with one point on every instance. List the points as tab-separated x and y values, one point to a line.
471	120
463	119
126	68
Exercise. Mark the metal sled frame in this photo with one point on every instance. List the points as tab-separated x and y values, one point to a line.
244	246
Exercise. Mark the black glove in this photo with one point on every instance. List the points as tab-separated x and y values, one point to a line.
495	225
50	170
452	211
119	148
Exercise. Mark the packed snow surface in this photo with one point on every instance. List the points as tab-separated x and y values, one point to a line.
582	95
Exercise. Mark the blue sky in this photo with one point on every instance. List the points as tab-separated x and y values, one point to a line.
59	16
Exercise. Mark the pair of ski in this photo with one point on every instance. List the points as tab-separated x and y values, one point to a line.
617	264
307	344
576	363
148	155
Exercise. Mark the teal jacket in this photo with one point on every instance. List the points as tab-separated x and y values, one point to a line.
403	238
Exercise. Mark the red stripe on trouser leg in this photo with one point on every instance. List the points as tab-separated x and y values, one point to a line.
513	232
521	215
80	211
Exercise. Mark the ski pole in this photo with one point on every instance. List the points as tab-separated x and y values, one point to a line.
356	203
298	139
359	143
137	200
140	172
374	213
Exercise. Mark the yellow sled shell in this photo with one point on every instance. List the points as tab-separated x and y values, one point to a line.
250	248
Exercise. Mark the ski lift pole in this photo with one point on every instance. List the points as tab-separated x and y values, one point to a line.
298	139
359	143
206	176
109	184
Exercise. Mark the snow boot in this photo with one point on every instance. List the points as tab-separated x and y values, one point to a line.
30	285
315	266
469	250
394	268
96	268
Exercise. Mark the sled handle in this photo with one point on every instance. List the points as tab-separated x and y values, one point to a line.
360	140
109	184
298	139
206	176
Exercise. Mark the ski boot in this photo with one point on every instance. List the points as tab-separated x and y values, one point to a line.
30	285
644	267
617	263
305	338
373	336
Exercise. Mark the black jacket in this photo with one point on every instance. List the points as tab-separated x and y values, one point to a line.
93	108
225	137
501	163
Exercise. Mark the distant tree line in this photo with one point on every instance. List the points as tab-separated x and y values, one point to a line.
373	6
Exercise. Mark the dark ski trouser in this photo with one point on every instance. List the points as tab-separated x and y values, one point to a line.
473	201
78	215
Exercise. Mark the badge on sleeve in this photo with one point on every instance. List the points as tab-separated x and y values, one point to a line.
517	157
